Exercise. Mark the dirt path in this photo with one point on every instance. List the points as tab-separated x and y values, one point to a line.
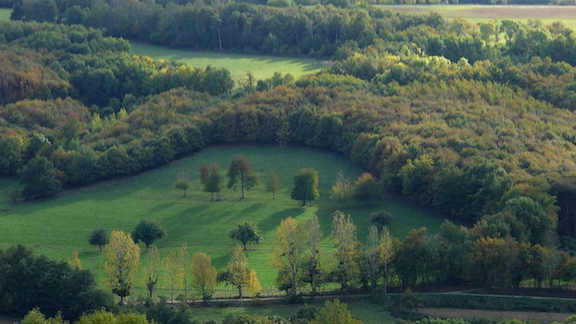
494	315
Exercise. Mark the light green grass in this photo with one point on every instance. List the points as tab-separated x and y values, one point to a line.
55	227
5	14
367	312
238	64
477	13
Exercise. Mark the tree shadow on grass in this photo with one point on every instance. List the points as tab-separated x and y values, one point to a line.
273	221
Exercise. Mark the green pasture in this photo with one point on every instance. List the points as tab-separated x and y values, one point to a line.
5	14
477	13
238	64
55	227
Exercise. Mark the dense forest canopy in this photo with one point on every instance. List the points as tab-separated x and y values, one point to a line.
442	112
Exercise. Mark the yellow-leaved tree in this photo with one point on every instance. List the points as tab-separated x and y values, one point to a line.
335	312
288	252
74	261
122	258
183	270
254	284
152	270
204	275
171	279
238	273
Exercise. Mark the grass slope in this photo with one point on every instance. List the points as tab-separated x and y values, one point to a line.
238	64
477	13
56	227
5	14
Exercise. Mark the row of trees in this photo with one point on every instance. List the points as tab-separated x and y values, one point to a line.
322	31
175	272
456	255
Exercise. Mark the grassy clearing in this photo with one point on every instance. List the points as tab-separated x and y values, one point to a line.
364	310
477	13
5	14
58	226
238	64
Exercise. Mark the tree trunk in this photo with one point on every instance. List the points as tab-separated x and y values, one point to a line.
219	38
242	183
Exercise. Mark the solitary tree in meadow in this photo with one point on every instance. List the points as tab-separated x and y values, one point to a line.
122	258
240	174
182	183
99	237
273	184
246	233
305	186
148	231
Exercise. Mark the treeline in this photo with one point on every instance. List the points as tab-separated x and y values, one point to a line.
88	67
427	153
314	31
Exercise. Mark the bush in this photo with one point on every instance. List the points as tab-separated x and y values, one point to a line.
381	218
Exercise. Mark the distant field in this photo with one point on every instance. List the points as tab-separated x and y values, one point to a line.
56	227
238	64
476	13
5	14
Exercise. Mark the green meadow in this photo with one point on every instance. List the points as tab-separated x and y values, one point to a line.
238	64
477	13
55	227
5	14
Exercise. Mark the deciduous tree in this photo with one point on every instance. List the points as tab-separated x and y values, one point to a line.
305	186
204	275
99	237
148	231
288	251
367	189
152	271
122	258
240	174
245	233
182	183
346	252
343	189
273	184
238	273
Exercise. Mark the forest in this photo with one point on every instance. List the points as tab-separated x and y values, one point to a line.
475	121
498	130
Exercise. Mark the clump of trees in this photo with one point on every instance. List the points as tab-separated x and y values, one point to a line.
58	287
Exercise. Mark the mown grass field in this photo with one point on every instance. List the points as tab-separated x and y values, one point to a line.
238	64
364	310
477	13
57	226
5	14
